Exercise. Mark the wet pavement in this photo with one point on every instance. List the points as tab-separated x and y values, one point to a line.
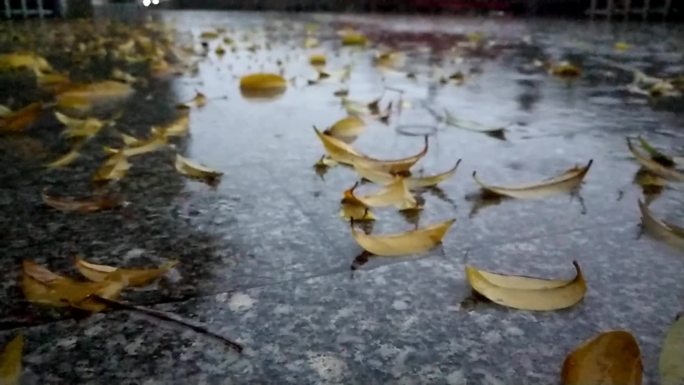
265	258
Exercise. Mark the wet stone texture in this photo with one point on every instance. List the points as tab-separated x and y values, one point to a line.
266	260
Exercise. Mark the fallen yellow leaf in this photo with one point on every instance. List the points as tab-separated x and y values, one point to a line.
82	205
262	85
412	242
566	182
655	154
317	59
382	178
671	365
114	168
197	171
16	61
129	277
125	77
81	98
44	287
610	358
565	69
621	46
496	132
528	293
344	153
21	119
654	166
351	37
394	194
67	158
51	81
347	129
658	228
10	361
356	212
177	127
310	42
198	101
79	128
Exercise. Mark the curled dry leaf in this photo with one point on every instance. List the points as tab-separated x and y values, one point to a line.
347	129
20	120
10	361
355	211
317	59
51	81
671	365
18	61
383	178
610	358
394	194
412	242
79	128
197	171
656	155
44	287
344	153
125	77
526	293
198	101
67	158
262	85
129	277
114	168
654	166
178	127
83	205
566	182
658	228
495	132
82	98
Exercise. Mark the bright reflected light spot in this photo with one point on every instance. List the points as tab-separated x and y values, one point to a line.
146	3
155	2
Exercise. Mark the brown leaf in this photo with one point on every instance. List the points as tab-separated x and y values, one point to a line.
20	120
610	358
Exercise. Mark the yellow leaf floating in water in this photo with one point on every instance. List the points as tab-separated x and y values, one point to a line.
51	81
565	70
198	101
621	46
528	293
79	128
671	365
262	85
20	120
654	166
394	194
610	358
656	155
83	205
317	59
496	132
82	98
351	37
310	42
17	61
129	277
10	361
344	153
382	178
197	171
44	287
347	129
658	228
412	242
566	182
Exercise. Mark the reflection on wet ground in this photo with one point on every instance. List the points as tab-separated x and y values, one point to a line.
265	257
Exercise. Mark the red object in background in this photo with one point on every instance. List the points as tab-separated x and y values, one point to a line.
463	5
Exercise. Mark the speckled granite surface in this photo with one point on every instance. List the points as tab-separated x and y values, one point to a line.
266	260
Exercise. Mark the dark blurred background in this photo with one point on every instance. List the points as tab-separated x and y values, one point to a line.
618	9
